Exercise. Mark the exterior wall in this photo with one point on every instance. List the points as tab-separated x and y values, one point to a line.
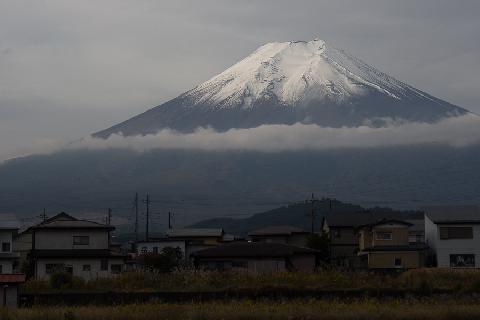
343	244
11	293
445	247
63	239
343	236
271	239
22	244
299	240
366	239
7	266
6	236
160	245
266	266
248	265
399	236
386	260
77	267
304	263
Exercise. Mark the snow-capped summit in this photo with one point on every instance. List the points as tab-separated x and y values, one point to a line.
289	82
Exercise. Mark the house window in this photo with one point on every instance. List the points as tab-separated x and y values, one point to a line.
86	267
155	249
81	240
116	268
5	246
54	267
398	262
456	233
383	236
1	268
462	260
337	233
144	250
104	265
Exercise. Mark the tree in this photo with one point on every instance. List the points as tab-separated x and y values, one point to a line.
166	261
321	243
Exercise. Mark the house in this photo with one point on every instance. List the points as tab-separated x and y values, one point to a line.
9	260
197	238
81	247
342	229
385	245
9	289
157	245
257	257
280	234
453	234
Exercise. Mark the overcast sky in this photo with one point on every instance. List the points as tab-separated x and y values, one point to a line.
70	68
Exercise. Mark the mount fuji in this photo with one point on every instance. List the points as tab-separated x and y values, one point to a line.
292	82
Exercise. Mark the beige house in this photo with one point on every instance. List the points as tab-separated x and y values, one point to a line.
385	245
343	229
66	244
257	257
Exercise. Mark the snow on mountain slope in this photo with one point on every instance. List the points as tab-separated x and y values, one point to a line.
290	82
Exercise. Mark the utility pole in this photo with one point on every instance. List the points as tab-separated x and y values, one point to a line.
109	216
147	202
169	220
312	202
44	215
136	216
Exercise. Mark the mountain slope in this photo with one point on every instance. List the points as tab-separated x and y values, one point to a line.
290	82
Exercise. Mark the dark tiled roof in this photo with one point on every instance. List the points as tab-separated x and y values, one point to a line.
355	220
65	221
194	232
387	221
251	250
277	231
76	253
453	214
410	247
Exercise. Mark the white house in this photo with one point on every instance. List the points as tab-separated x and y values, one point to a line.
453	234
8	258
66	244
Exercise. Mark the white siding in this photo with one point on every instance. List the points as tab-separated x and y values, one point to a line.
445	247
77	267
63	239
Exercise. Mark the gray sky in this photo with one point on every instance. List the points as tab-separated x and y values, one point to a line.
70	68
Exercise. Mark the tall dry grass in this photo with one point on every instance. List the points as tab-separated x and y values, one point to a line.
423	279
297	309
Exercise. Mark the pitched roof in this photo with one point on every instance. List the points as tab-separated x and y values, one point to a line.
194	232
252	250
386	221
453	214
12	278
65	221
276	231
355	220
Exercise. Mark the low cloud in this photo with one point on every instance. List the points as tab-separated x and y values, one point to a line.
457	132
